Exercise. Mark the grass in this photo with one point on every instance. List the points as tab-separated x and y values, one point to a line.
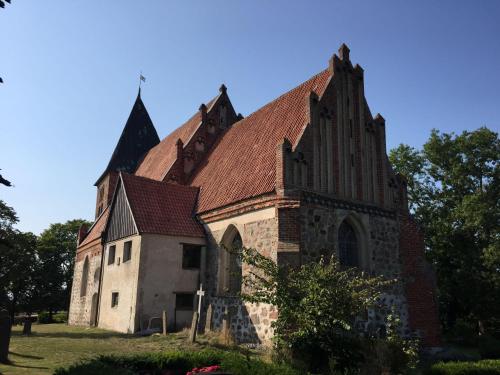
484	367
55	345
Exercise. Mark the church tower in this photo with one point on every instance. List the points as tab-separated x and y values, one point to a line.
138	137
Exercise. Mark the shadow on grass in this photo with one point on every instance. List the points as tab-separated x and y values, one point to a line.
25	355
13	364
82	335
76	335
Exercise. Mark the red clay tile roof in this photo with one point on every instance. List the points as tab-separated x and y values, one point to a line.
160	158
243	163
97	228
161	207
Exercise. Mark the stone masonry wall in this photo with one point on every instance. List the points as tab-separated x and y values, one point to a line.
80	307
378	241
250	323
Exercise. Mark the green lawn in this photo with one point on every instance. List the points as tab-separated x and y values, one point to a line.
54	345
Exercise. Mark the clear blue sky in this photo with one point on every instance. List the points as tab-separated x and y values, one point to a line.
71	75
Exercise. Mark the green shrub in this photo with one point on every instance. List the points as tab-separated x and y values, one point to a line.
317	305
44	317
486	367
463	333
59	317
182	361
489	347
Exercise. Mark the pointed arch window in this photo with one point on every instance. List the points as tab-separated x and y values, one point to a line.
85	278
235	270
348	246
230	269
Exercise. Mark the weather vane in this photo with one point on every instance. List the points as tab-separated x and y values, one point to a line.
141	79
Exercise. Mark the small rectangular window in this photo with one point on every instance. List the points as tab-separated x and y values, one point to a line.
191	256
111	254
127	251
184	301
114	299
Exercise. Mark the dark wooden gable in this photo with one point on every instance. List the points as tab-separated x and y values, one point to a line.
121	222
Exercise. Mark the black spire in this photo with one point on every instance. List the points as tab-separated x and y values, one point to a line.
138	137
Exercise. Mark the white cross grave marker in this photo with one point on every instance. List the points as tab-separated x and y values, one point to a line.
200	294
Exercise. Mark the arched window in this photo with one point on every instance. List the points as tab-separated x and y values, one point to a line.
85	277
230	271
235	270
348	245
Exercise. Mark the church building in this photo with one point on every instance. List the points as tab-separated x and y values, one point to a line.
305	176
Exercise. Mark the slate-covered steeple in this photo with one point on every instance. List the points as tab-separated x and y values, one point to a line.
138	137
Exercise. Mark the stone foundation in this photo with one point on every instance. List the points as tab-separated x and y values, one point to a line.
249	323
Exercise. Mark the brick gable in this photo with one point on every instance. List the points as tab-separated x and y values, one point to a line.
242	164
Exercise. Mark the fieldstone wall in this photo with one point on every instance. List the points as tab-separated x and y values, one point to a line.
378	240
250	323
80	307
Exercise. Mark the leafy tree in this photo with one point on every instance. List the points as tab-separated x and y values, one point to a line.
454	192
8	218
56	251
2	3
317	305
18	263
36	273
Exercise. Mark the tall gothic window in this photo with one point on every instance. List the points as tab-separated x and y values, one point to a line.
230	270
348	245
235	271
85	277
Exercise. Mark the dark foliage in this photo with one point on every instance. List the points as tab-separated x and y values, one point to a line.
454	193
179	362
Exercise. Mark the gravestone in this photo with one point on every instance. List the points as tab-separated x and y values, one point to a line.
208	321
194	327
5	331
164	322
226	326
27	325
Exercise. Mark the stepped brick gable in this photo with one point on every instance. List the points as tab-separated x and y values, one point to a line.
305	176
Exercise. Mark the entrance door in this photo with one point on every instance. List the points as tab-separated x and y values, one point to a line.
184	305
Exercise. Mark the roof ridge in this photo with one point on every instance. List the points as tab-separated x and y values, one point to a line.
282	95
157	182
211	102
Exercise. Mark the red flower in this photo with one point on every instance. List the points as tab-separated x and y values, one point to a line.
208	369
